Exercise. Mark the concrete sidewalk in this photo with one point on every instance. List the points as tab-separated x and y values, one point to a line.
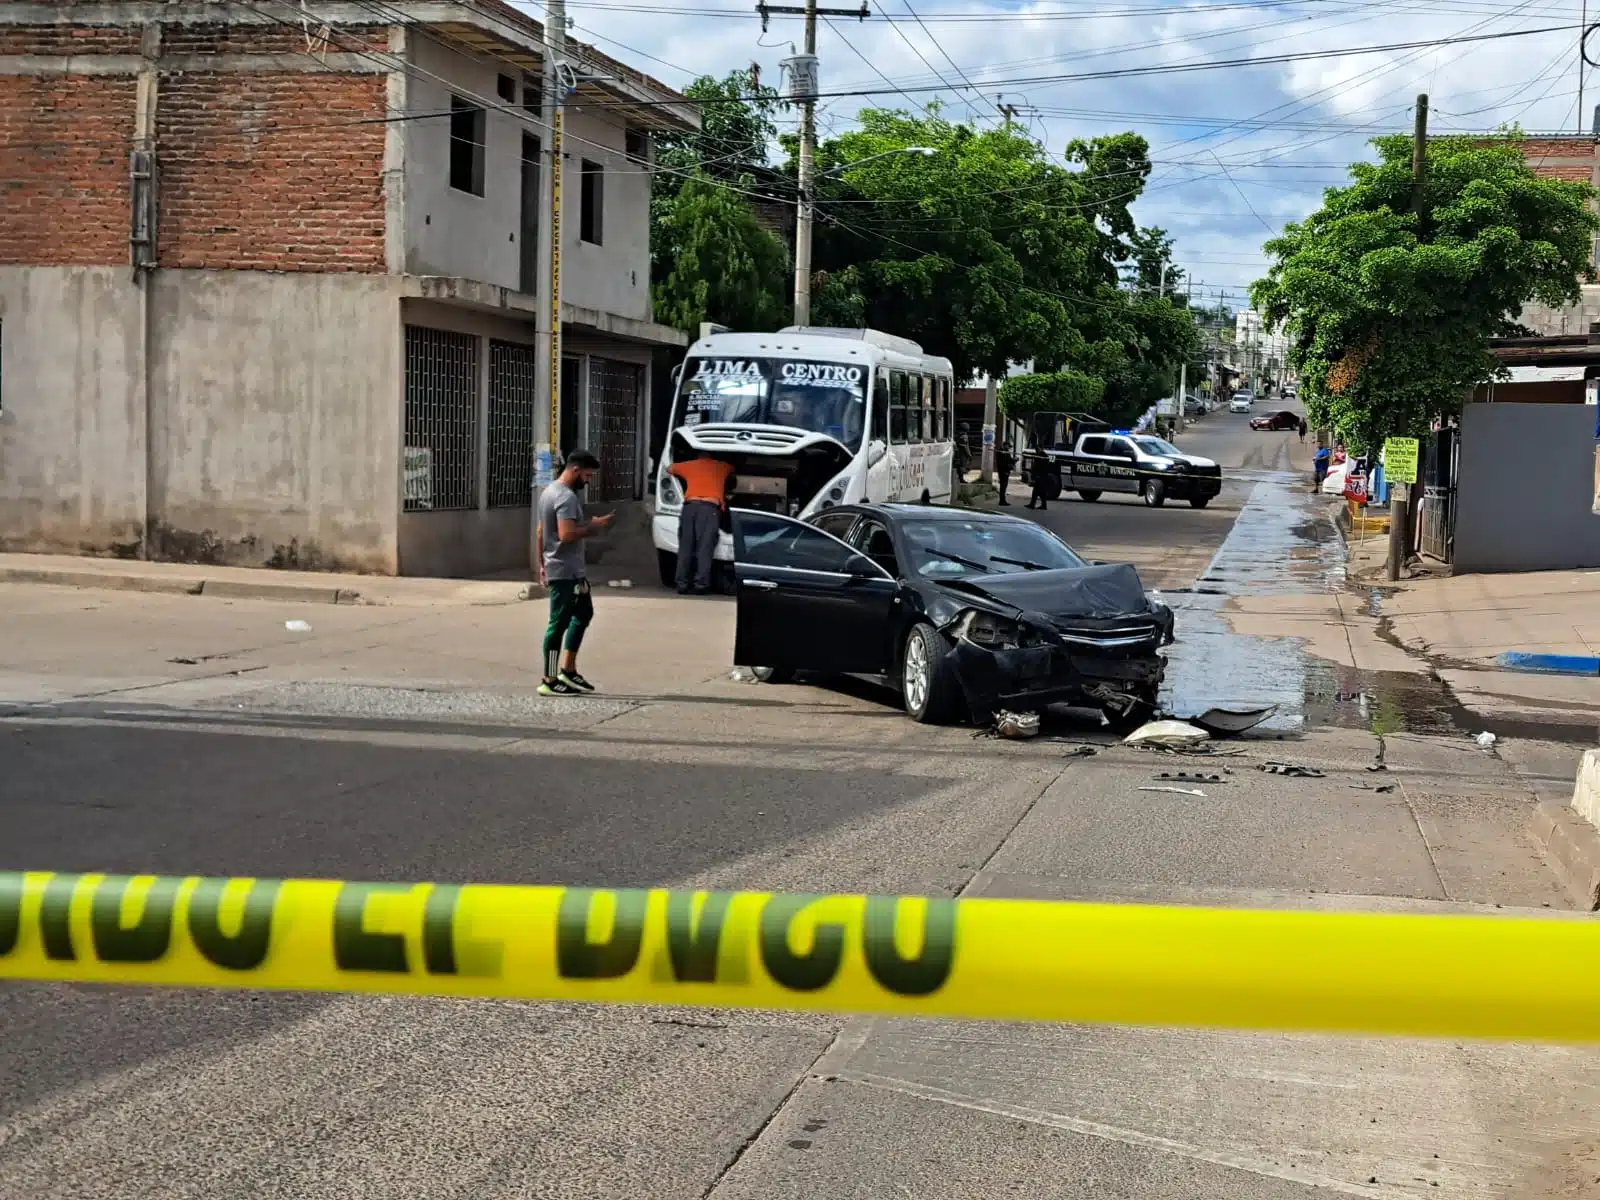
248	583
1470	619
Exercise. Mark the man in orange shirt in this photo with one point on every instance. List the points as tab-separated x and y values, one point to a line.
706	483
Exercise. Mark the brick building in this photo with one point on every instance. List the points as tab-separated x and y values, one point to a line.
269	279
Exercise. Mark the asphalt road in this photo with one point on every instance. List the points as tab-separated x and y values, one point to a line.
177	734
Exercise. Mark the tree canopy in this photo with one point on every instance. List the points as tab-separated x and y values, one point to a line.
1389	314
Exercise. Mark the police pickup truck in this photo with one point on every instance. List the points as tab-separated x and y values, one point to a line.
1117	460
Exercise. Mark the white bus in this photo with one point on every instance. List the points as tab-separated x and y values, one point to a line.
809	418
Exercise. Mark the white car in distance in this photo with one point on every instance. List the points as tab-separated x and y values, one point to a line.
1241	402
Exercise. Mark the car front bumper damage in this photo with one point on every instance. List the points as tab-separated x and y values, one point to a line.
1031	677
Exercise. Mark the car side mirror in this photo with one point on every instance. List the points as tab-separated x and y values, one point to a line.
875	452
860	567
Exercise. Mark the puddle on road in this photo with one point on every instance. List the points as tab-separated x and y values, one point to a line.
1284	544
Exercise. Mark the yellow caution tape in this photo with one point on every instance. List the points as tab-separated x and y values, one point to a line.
1455	976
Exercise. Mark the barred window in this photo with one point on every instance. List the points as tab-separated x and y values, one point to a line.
441	449
512	406
614	391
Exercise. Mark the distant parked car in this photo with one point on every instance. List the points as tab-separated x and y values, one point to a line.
1193	406
1241	403
1282	419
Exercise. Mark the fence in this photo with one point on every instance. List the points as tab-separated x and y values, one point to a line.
441	420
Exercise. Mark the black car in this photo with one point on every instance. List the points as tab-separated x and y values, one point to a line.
964	610
1282	419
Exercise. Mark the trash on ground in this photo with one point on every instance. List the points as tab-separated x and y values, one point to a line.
297	626
1016	724
1084	751
1368	787
1485	739
1190	777
1178	791
1166	733
1292	770
1224	722
619	583
742	675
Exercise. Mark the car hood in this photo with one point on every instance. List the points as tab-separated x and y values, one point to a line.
1194	460
1113	590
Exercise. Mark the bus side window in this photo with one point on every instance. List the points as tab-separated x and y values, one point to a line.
925	425
880	406
947	416
897	407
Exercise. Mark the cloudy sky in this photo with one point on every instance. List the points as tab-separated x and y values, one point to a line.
1238	150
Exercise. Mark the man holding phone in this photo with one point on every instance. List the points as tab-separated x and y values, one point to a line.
558	545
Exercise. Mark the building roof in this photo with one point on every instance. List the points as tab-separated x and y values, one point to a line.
491	28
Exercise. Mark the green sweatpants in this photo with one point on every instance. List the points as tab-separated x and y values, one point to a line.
571	610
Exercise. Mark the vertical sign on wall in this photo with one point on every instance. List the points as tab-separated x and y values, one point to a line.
556	124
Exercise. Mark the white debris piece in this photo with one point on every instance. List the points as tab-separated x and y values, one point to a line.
742	675
297	626
1016	725
619	583
1176	791
1166	733
1486	739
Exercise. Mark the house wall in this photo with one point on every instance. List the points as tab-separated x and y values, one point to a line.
1525	488
72	411
454	233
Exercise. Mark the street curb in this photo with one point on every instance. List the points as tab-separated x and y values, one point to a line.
1548	664
293	592
1572	847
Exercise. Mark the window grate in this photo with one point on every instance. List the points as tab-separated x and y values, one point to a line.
441	450
614	389
512	375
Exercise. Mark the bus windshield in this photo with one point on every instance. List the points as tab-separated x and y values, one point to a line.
818	397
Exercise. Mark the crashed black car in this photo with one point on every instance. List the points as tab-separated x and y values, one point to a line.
964	610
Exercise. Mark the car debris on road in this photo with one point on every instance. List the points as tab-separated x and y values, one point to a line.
1291	770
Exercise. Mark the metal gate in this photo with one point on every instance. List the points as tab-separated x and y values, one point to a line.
512	378
1439	493
441	420
614	393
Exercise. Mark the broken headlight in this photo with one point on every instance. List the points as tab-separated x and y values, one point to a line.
989	631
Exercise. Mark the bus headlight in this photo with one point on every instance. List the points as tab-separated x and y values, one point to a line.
836	494
671	493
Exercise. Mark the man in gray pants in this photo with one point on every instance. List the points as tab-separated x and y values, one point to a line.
705	482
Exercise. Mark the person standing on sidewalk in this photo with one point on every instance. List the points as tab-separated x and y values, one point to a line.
558	545
1302	429
1004	460
706	484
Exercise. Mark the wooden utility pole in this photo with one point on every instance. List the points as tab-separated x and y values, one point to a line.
1399	494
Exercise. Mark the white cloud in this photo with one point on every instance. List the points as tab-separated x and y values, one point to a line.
1285	131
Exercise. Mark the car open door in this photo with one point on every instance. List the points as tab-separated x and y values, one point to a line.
806	600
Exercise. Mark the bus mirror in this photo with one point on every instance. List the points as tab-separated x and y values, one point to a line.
677	375
875	452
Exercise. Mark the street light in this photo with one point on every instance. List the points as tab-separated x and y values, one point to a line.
802	226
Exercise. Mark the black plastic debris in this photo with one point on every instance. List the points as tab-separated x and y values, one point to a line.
1228	722
1189	777
1291	770
1368	787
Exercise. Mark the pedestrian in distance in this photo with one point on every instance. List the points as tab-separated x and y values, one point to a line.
1036	498
1302	429
558	545
1004	460
706	483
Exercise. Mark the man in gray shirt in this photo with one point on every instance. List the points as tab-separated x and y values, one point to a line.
558	545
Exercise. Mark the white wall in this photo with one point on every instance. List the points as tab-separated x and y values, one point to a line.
454	233
72	411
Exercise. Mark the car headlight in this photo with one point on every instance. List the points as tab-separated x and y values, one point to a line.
671	493
989	631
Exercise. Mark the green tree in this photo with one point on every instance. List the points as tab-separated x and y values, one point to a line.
1150	250
715	261
1068	390
1389	316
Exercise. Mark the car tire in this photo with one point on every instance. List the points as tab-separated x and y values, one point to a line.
1199	501
773	674
1089	494
1154	492
1052	486
927	684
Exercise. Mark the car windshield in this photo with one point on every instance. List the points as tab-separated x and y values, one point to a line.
1155	445
818	397
951	548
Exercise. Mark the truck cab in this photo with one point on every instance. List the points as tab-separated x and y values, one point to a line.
1103	460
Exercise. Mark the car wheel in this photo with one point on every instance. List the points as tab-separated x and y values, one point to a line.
1154	492
667	564
926	683
1199	501
1089	494
773	674
1052	486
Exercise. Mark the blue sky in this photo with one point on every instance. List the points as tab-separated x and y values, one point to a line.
1237	151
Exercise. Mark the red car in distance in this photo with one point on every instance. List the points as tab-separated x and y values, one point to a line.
1282	419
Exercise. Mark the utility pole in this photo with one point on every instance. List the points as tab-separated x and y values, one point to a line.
548	349
803	79
991	419
1399	496
1009	111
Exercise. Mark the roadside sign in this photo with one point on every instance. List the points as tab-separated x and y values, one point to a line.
1400	460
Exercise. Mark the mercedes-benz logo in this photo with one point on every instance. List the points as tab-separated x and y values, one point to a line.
745	435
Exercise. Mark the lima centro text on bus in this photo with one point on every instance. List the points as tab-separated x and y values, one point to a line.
808	418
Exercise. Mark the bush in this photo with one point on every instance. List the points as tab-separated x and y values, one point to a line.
1059	391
